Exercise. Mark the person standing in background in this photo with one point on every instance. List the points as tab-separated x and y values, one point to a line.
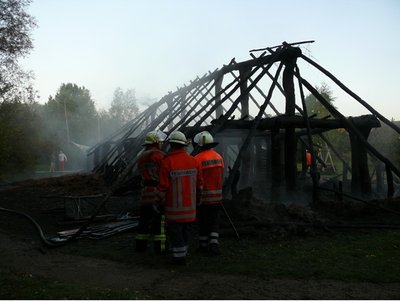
62	159
308	161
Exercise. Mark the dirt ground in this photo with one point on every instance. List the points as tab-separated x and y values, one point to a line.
21	251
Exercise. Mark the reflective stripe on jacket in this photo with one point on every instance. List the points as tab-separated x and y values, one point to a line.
149	163
212	167
180	177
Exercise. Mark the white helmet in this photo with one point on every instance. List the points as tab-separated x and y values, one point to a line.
177	137
161	136
151	138
204	138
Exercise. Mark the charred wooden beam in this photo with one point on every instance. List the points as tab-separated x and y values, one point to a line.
182	101
259	90
252	130
360	180
219	111
355	96
283	122
351	127
289	59
244	93
276	159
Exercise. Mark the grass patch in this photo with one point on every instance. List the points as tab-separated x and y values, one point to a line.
345	256
27	287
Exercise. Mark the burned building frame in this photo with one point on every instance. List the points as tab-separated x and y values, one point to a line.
238	105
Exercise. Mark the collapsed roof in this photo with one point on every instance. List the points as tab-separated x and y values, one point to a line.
242	101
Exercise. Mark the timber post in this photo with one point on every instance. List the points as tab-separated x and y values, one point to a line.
379	168
244	95
276	163
360	179
289	59
244	104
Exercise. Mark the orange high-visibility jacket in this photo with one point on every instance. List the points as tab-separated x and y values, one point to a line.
180	177
149	163
308	158
212	168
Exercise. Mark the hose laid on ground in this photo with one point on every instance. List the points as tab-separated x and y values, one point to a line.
41	234
113	189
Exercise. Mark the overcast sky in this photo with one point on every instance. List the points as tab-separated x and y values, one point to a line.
154	46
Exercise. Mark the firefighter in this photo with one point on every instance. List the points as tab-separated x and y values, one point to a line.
308	161
212	166
180	183
151	221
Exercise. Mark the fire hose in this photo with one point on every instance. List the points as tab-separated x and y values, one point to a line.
52	244
41	234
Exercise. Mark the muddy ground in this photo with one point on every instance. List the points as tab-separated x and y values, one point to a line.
22	251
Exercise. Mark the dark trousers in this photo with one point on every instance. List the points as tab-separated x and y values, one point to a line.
208	218
179	237
151	225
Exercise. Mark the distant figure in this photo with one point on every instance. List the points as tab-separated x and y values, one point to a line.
308	160
52	162
62	159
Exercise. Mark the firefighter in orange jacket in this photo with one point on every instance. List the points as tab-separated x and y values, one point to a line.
308	161
180	182
212	166
151	221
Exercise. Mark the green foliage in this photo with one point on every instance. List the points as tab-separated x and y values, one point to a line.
15	42
71	115
30	132
347	257
124	106
314	106
21	138
343	256
337	137
387	141
107	124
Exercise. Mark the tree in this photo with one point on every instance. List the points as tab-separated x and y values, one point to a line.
106	124
124	106
71	115
337	137
387	142
314	106
22	142
15	42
